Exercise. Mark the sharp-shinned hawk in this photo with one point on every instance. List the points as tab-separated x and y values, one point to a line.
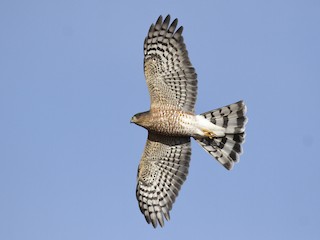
171	121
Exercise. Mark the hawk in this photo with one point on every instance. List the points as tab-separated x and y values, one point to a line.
171	122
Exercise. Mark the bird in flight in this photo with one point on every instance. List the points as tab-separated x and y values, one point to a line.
171	122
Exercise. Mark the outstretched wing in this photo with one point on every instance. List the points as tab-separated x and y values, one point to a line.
162	170
170	77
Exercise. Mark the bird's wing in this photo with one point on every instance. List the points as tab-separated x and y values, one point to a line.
170	77
162	170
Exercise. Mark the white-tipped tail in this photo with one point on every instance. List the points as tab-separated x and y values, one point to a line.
226	149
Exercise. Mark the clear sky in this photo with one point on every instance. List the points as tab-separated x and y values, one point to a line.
71	77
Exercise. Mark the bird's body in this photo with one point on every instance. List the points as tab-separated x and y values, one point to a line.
167	121
175	122
171	121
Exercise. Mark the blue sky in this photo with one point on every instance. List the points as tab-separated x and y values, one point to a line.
71	78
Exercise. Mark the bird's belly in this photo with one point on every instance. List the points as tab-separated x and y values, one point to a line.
173	123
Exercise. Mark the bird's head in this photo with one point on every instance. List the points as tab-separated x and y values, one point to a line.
134	119
139	118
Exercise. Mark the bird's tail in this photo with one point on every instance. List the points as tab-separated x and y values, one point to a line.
226	149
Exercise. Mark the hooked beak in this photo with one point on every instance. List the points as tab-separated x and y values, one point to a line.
132	120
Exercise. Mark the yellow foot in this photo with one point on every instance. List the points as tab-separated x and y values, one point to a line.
209	134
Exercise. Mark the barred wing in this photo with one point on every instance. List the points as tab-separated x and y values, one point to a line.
162	171
170	77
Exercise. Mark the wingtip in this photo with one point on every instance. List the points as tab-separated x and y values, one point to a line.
178	33
167	18
159	21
